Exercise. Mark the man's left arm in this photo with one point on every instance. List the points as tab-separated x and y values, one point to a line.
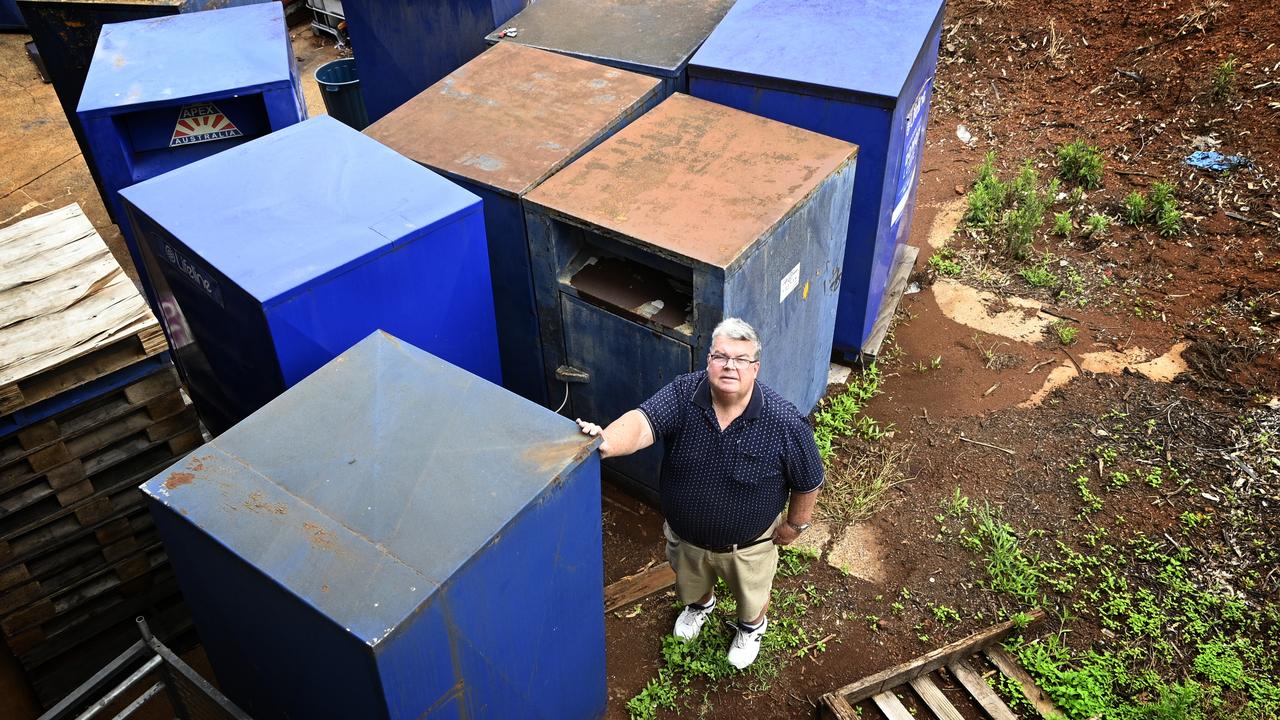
805	475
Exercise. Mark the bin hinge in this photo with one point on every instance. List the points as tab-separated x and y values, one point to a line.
569	374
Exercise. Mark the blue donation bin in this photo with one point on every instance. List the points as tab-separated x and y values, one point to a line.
403	47
275	256
692	213
652	37
10	16
165	92
499	126
860	71
394	538
66	34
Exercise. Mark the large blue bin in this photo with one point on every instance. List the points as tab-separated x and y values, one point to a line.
66	33
401	47
394	538
273	257
10	16
165	92
860	71
692	213
499	126
652	37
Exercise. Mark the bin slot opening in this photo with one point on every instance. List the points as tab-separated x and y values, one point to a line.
634	289
158	140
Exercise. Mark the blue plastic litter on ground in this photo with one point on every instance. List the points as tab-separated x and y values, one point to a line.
1208	160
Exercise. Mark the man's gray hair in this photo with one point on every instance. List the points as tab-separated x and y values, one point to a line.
734	328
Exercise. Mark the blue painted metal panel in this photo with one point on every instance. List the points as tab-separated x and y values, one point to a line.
147	108
317	236
685	217
66	33
360	516
10	16
651	37
32	414
858	71
401	47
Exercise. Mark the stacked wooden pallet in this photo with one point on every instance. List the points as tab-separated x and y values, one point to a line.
90	406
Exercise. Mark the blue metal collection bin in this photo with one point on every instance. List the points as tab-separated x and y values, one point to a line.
164	92
499	126
860	71
692	213
10	16
273	257
651	37
66	33
394	538
401	47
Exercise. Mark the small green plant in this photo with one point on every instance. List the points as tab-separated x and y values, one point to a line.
1037	275
1092	503
1135	208
1081	163
1026	212
1076	196
658	693
944	263
1224	79
1169	221
1066	332
1162	195
838	416
986	200
1194	520
794	560
945	615
1062	225
1096	225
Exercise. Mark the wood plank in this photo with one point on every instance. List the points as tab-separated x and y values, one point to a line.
1011	668
68	312
933	697
891	706
979	690
834	707
637	586
903	672
899	274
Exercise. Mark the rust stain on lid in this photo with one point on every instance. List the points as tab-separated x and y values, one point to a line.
512	116
695	178
319	538
178	479
257	504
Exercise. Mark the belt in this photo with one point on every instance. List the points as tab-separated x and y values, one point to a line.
731	548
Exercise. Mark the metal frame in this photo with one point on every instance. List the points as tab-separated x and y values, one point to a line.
147	658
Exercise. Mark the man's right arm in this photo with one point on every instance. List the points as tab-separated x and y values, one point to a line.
629	433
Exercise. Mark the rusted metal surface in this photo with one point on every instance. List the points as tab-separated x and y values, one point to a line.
653	34
361	490
694	178
513	116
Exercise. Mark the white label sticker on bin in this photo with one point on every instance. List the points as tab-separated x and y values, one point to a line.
202	122
789	283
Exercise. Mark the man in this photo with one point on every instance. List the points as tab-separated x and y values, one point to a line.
735	454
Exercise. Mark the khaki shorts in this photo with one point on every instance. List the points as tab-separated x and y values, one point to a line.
748	572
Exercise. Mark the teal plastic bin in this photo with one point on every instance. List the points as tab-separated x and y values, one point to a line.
340	87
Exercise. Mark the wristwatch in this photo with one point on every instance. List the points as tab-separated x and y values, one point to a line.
799	528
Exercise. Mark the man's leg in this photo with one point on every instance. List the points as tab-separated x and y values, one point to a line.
695	584
749	574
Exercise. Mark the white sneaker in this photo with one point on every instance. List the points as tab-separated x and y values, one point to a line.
746	645
689	624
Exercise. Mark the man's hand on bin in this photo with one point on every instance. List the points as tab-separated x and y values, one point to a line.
594	430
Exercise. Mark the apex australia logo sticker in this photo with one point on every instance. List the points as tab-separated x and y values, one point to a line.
202	122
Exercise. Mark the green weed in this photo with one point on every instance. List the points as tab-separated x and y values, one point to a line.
1135	208
1223	84
1081	163
944	263
1038	275
1066	332
1062	225
1096	225
838	416
987	199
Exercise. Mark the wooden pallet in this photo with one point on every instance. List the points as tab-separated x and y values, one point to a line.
68	312
916	678
119	492
87	477
105	544
48	443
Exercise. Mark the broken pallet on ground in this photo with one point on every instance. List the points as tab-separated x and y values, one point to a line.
958	658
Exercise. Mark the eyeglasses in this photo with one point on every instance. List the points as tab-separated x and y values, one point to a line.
730	362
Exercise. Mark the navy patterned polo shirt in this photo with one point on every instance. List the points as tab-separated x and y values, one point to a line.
724	488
